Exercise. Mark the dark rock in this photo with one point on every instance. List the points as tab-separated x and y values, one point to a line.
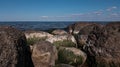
102	45
88	32
13	49
44	54
75	28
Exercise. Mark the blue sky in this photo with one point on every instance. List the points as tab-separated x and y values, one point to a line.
59	10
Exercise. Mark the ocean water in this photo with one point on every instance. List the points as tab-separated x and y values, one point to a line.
32	25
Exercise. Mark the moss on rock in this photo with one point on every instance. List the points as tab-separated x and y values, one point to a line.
68	56
31	41
64	43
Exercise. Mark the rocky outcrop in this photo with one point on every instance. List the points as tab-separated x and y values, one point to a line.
61	38
71	55
59	32
44	54
102	44
97	46
13	48
37	34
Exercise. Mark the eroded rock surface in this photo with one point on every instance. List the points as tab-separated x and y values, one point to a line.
37	34
102	44
44	54
13	48
88	31
61	38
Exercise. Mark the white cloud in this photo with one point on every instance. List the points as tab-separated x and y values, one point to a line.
44	16
111	8
98	12
54	16
114	7
114	14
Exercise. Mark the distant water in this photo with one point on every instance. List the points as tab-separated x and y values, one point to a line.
39	25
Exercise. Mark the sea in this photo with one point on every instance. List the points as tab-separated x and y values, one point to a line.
38	25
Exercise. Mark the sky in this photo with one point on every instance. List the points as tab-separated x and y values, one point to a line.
59	10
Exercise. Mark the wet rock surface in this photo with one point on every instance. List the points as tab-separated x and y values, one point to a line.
13	48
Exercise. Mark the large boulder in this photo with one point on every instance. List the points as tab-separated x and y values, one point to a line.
44	54
36	36
13	48
103	45
72	56
59	32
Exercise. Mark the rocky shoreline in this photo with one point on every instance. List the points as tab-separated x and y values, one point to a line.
78	45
